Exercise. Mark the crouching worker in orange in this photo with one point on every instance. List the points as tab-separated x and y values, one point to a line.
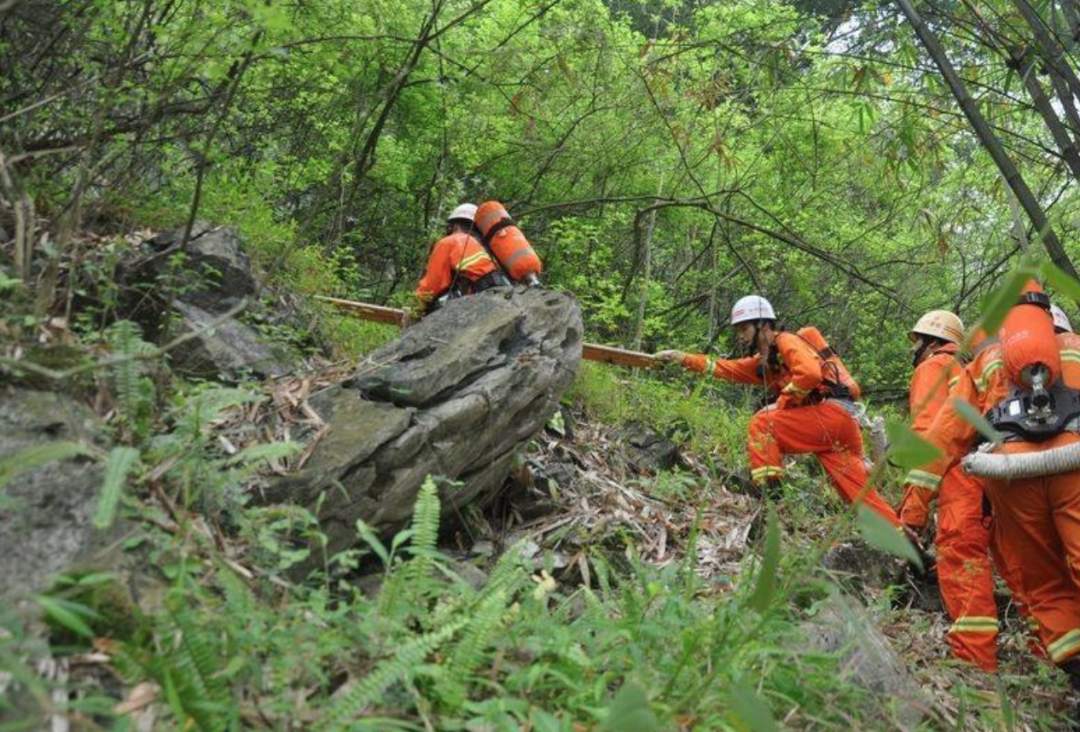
1028	387
457	264
814	412
965	575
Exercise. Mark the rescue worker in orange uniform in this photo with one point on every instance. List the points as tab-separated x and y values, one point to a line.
810	414
965	574
457	264
1026	385
506	242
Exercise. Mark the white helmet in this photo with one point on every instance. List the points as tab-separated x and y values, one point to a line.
751	307
464	212
939	324
1061	320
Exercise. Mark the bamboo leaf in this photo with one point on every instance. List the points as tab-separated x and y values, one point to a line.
117	466
68	614
1062	283
878	532
766	581
373	541
907	449
1002	299
630	712
751	709
34	457
976	420
265	451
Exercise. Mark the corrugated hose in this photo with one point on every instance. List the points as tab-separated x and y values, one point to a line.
1056	460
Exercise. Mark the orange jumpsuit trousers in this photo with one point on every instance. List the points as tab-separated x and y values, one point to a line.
827	431
1037	521
965	576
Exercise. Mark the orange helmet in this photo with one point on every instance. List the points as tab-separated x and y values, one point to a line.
488	214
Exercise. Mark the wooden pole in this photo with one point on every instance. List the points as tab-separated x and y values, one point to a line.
589	352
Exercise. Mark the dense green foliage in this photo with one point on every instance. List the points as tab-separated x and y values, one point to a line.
665	157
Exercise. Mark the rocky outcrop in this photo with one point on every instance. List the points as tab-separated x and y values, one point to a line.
45	511
648	450
211	269
454	398
229	347
204	278
844	628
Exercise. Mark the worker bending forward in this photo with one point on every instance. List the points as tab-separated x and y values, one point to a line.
812	412
458	264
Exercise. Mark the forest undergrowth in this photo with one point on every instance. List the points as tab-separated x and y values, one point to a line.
510	627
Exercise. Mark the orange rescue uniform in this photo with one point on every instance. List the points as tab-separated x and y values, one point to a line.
965	575
803	419
1036	526
456	256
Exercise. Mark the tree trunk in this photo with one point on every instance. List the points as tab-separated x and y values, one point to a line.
1052	53
646	275
989	140
1042	103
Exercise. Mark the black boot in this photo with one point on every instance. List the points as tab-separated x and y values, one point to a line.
773	489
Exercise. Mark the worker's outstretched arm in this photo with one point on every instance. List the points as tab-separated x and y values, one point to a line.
739	370
437	277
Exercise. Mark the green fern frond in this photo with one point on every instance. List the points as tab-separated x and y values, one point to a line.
425	525
468	653
196	666
401	665
125	341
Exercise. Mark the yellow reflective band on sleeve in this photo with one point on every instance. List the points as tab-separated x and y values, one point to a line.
984	378
791	388
1070	354
1065	646
974	624
471	260
710	367
923	479
954	381
766	471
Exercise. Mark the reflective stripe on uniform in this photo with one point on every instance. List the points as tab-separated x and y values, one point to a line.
975	624
953	381
471	260
984	378
710	366
766	471
524	251
791	388
1065	646
1070	354
923	479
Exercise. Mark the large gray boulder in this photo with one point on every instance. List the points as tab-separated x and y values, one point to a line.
453	398
45	512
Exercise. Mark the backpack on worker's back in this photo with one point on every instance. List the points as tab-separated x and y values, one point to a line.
841	383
